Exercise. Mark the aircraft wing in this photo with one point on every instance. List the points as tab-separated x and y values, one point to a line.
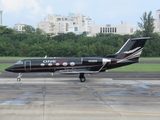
77	71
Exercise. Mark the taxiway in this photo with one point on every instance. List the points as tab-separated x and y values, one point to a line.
61	98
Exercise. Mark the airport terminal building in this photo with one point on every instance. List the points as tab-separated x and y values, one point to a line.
124	28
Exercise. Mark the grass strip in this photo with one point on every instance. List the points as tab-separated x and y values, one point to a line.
150	58
138	68
14	58
3	66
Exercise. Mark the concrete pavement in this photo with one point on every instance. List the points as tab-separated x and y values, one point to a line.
67	98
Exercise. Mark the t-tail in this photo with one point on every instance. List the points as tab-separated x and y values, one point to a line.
129	52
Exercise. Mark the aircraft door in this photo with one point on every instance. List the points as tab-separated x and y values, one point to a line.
27	65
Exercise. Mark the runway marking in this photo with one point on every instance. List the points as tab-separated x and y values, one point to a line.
136	79
56	110
84	114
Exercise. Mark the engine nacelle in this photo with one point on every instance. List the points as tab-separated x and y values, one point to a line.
92	61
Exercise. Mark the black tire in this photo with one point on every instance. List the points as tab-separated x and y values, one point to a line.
82	79
18	79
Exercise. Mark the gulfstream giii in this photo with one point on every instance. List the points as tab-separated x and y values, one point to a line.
128	54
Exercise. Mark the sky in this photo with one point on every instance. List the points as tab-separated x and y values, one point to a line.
101	11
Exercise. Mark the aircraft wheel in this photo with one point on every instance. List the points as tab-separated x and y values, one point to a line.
83	79
18	79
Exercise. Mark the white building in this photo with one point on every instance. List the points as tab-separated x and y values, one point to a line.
46	26
0	17
19	27
157	21
124	28
87	22
76	23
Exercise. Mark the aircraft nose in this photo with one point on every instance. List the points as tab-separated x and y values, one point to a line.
9	69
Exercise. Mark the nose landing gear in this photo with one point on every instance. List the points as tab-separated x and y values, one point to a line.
82	77
19	77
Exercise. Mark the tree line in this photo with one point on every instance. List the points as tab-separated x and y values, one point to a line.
35	43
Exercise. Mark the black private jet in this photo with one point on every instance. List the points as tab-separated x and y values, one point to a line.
128	54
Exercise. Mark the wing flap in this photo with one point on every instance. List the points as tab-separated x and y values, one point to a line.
85	71
77	71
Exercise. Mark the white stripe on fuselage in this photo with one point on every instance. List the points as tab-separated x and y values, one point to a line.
131	51
134	55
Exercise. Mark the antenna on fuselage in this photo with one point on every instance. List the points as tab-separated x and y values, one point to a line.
45	56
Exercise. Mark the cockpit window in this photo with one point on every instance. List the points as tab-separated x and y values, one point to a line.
19	62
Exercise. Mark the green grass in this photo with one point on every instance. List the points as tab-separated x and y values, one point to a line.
3	66
150	58
14	58
138	68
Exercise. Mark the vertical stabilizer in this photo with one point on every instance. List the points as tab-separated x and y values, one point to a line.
132	49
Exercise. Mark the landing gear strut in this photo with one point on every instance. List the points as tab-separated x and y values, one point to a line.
19	77
81	77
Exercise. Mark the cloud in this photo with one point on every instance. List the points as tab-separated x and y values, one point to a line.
11	5
49	10
79	5
33	9
29	7
33	6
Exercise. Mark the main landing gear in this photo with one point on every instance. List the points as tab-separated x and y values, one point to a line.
19	77
82	77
